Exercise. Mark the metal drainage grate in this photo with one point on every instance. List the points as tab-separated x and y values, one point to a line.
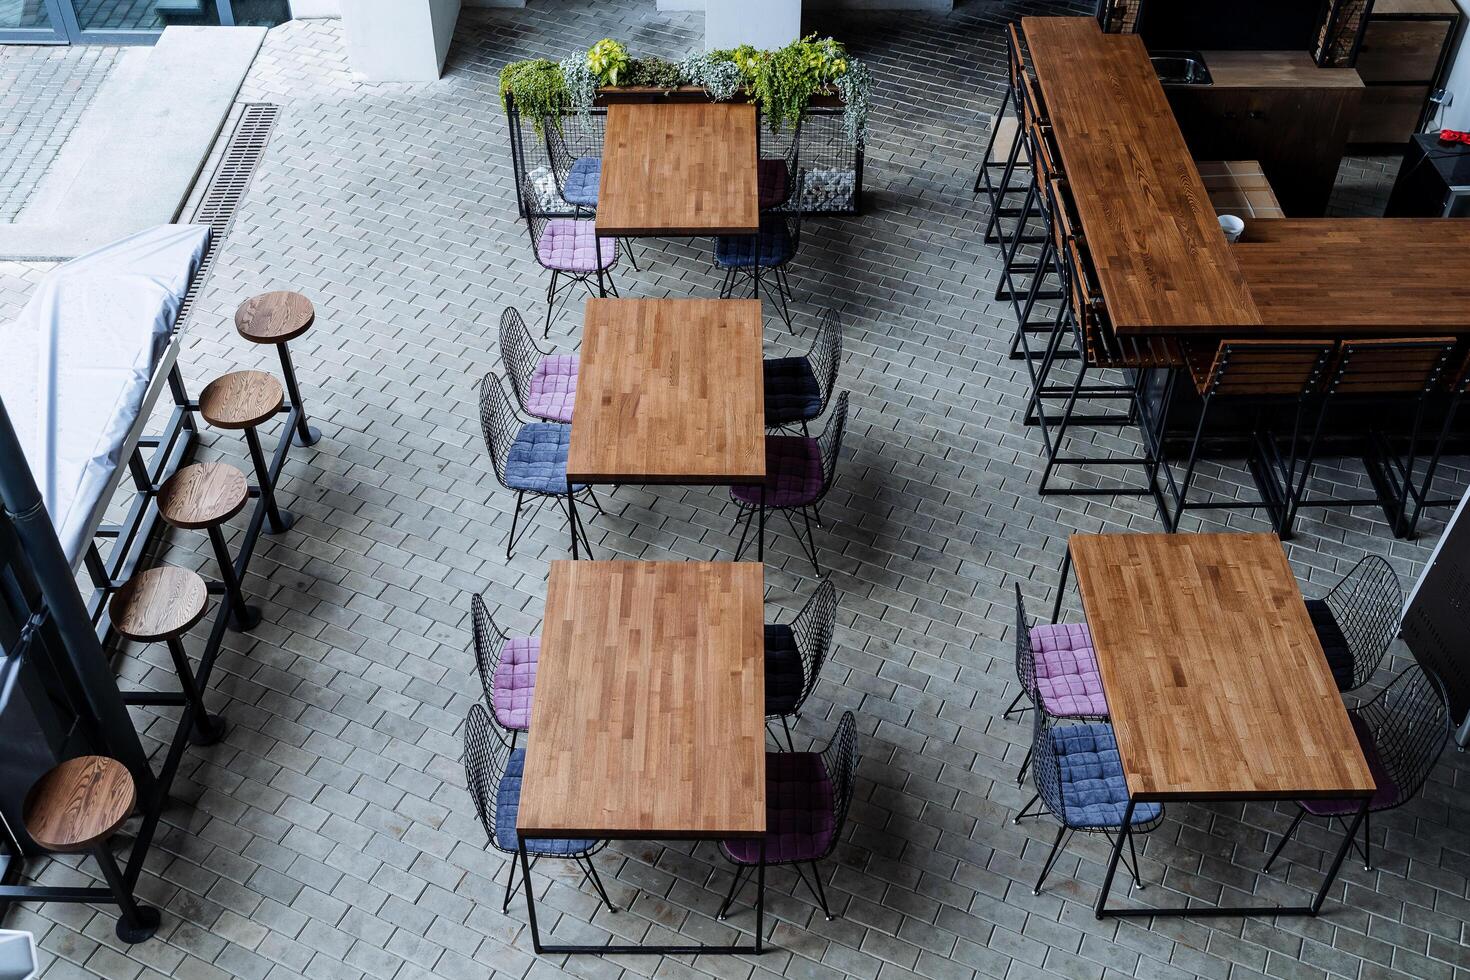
227	186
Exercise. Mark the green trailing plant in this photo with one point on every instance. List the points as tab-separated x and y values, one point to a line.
655	73
715	72
609	61
855	86
538	87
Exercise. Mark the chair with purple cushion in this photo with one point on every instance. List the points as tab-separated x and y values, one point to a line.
1357	620
1402	732
778	162
797	388
507	666
800	470
1080	784
529	458
545	384
1057	668
493	769
566	244
795	653
807	798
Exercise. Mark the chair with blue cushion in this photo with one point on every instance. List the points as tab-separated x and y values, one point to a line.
1080	784
1357	620
529	458
1402	732
763	259
807	798
493	771
797	388
574	146
795	653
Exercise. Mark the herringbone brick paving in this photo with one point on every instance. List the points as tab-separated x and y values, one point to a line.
330	834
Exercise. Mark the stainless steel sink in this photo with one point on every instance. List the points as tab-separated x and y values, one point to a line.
1181	68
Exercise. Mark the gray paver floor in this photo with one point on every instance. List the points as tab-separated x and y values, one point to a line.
330	834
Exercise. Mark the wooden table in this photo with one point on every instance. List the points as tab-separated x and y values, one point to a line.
669	391
672	168
1216	684
649	716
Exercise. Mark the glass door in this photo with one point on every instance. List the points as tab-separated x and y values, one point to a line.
30	22
126	21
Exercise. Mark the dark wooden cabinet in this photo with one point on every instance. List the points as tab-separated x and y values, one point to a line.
1276	107
1404	50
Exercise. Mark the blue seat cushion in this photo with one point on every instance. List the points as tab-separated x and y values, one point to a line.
582	181
538	458
508	805
1334	643
771	247
1094	793
792	392
784	673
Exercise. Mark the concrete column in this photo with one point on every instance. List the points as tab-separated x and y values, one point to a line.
763	24
399	40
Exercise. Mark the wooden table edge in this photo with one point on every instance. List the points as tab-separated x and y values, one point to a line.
580	833
682	231
665	480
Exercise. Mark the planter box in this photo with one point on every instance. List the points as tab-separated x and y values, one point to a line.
399	40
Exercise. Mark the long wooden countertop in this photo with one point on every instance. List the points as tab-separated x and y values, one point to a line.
1162	262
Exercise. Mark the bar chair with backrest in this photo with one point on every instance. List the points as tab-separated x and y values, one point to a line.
507	668
795	653
565	243
545	384
1357	620
1005	151
1415	492
493	770
1025	283
807	798
1402	732
797	388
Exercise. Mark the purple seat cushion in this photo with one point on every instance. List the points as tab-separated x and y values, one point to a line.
793	474
801	814
1066	671
773	182
571	245
515	681
785	676
553	388
1387	792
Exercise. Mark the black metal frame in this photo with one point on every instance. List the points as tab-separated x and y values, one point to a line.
812	629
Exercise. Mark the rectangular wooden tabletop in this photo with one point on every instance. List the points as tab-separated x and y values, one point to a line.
649	716
679	168
1379	276
1216	683
670	391
1162	263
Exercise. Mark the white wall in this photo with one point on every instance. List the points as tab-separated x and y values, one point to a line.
759	23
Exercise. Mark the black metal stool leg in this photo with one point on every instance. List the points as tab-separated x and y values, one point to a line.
279	520
135	922
306	435
208	728
242	615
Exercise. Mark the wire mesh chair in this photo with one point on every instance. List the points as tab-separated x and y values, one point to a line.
545	384
798	388
1357	620
1080	783
778	166
800	470
770	252
507	667
574	144
564	241
807	798
795	653
1402	732
529	458
493	770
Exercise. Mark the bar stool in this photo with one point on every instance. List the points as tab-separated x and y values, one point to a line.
1005	150
1021	281
76	808
276	318
1415	491
164	603
205	496
244	400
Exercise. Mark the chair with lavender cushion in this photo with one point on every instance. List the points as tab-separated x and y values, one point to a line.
545	384
493	770
795	653
529	458
507	667
797	388
807	799
566	244
800	470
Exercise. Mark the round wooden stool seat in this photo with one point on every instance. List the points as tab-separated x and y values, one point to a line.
203	495
274	318
79	803
159	604
241	399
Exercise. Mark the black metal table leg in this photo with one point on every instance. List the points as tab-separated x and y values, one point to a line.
760	900
1107	885
208	728
1056	609
280	521
1347	842
760	541
572	517
135	922
242	615
306	435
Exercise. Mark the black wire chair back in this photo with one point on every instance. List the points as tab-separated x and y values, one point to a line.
813	628
840	759
499	424
1410	723
830	445
489	640
1046	770
486	754
1025	653
1367	605
518	354
571	137
825	356
783	145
